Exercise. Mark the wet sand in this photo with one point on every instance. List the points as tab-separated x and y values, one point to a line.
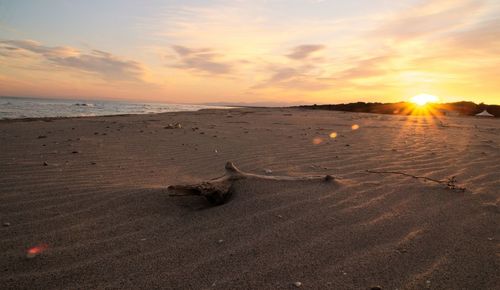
90	193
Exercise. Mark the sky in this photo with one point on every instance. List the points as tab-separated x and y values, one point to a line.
255	51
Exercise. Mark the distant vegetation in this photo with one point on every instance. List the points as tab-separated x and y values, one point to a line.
405	108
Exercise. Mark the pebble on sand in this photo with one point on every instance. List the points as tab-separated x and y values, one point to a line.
297	284
45	163
268	171
6	224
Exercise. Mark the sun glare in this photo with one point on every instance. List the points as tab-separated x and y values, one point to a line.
423	99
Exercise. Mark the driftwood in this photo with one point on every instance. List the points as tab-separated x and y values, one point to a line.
218	190
450	183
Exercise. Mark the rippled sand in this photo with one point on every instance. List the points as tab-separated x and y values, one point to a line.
97	214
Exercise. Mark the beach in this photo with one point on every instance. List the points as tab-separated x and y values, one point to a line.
84	201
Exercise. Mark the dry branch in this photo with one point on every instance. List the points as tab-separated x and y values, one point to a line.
450	183
219	190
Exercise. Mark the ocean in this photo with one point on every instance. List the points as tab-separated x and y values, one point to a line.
17	108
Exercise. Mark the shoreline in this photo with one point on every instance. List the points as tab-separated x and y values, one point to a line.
33	108
50	119
306	108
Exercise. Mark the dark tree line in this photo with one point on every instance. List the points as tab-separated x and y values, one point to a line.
404	108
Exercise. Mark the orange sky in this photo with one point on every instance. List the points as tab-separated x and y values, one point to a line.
252	51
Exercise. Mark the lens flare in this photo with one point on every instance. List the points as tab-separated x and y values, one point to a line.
355	127
317	141
36	250
333	135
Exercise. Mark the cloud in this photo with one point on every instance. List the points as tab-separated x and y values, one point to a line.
304	51
201	60
366	68
482	37
283	74
303	77
429	18
104	64
295	78
303	73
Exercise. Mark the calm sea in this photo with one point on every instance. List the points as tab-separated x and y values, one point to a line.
15	108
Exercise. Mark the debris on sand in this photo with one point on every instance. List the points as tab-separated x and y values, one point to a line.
173	126
218	190
450	183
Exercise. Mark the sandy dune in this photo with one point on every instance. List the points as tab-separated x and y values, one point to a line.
101	214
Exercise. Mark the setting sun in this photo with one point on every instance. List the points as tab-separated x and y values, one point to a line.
423	99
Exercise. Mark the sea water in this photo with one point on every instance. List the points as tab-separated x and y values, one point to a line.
16	108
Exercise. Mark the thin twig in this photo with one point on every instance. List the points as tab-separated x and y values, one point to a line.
450	183
406	174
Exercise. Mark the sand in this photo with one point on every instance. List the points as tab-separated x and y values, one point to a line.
91	194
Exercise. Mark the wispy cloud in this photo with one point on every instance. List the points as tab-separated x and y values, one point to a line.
374	66
101	63
304	51
430	18
482	37
202	60
303	73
